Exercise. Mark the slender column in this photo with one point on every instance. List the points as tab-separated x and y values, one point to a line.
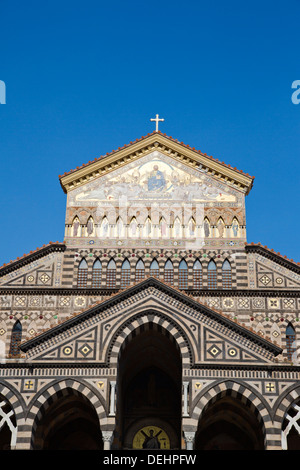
189	438
107	439
112	398
185	398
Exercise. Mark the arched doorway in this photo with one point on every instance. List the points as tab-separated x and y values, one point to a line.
228	424
149	390
69	423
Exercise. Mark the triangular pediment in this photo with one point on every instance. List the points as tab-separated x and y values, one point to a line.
212	337
178	152
39	268
155	177
273	270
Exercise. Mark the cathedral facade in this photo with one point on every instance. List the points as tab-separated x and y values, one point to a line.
154	323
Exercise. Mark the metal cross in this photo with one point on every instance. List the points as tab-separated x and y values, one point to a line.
157	120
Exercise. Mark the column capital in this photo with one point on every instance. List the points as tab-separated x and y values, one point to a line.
189	436
107	436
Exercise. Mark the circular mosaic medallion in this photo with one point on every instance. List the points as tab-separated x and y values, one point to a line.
67	350
232	352
151	437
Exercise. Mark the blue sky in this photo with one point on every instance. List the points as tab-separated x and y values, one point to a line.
84	78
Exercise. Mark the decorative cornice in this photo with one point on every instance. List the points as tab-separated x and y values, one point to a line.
167	145
254	292
24	364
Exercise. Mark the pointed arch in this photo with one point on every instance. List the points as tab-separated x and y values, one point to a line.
290	335
235	396
226	275
111	264
212	275
139	270
97	274
111	274
182	264
154	268
182	275
62	388
125	273
169	272
126	264
82	273
197	274
97	264
155	320
15	340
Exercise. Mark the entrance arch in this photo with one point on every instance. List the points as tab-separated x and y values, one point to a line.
149	390
227	423
69	421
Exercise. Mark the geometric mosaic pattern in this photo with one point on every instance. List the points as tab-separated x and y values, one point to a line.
89	335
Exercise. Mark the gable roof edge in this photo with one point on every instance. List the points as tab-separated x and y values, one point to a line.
271	254
31	256
80	174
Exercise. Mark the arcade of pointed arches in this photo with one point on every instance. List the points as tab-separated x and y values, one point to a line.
59	396
199	268
288	428
165	227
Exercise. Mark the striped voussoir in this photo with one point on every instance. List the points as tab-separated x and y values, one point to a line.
248	397
282	412
146	321
56	391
